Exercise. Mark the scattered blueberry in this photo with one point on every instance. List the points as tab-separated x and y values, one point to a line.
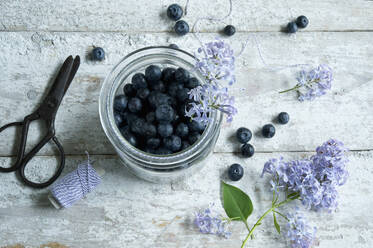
164	113
98	54
173	143
174	12
192	83
139	81
181	75
153	73
143	93
174	46
182	130
283	118
292	27
229	30
243	135
165	129
235	172
247	150
193	137
168	74
120	103
153	143
268	131
302	21
181	27
129	90
134	105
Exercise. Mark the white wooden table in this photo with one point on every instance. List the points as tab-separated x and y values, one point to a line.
36	36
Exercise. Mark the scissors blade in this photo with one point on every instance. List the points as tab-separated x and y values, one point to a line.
73	71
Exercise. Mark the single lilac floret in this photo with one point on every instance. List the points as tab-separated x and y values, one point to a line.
298	232
208	222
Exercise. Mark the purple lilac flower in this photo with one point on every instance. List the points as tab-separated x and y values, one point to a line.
215	61
209	222
298	232
314	83
315	179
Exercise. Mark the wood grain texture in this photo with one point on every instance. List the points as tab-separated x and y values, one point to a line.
149	16
127	212
344	113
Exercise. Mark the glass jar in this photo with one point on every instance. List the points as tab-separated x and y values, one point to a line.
152	167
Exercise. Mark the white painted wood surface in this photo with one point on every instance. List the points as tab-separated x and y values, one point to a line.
35	36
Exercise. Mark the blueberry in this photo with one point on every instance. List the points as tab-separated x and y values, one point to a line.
195	126
163	151
268	131
302	21
149	130
182	130
120	103
173	88
153	143
143	93
134	105
129	136
98	54
229	30
182	94
283	118
137	126
181	27
150	117
181	75
193	137
158	86
129	90
139	81
157	98
165	129
168	74
164	113
174	12
173	143
192	83
292	27
247	150
174	46
184	145
235	172
243	135
118	119
153	73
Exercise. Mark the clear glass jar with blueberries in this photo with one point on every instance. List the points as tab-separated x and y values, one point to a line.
142	110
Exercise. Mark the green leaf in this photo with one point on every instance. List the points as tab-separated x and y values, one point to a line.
276	223
236	203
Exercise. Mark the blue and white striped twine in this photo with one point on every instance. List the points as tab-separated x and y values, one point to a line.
75	185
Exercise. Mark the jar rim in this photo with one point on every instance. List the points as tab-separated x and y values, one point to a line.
106	112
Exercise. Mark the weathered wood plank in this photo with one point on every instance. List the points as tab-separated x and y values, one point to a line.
127	212
140	16
344	113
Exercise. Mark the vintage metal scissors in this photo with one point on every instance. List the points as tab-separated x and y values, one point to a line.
47	113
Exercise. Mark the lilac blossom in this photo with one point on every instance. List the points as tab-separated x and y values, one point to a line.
313	83
315	179
209	222
216	62
298	232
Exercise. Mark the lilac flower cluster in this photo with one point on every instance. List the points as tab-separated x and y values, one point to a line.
216	62
315	179
298	232
314	83
210	223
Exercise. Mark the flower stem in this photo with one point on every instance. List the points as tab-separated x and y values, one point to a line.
255	225
294	88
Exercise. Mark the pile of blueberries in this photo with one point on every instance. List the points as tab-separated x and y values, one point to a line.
300	22
151	112
243	135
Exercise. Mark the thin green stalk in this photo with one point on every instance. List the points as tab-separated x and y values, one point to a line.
255	225
294	88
